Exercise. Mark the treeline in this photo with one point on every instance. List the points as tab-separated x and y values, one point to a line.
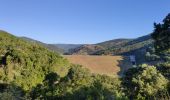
78	84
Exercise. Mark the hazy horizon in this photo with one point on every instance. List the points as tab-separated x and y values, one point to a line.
81	22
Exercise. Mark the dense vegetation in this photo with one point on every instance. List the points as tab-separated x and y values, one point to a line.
149	82
60	48
78	84
51	47
145	82
26	64
161	35
28	71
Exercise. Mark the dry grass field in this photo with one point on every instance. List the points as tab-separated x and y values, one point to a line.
109	65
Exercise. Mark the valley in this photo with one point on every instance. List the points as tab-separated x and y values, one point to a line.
84	50
109	57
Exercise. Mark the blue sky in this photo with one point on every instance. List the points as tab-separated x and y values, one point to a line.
81	21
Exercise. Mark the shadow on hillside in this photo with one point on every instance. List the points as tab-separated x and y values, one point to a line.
139	54
124	65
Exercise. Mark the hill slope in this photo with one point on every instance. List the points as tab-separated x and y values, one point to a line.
67	47
25	63
115	47
86	50
49	46
114	43
59	48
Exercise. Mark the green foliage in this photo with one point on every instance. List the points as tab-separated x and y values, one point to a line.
38	73
30	71
26	64
164	68
161	35
166	57
76	78
151	54
47	89
51	47
144	82
80	84
11	92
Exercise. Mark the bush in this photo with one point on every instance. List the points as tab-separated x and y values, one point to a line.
143	82
80	84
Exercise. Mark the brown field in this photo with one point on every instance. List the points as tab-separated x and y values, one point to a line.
109	65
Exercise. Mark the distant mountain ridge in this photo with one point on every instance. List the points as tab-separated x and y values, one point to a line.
85	50
114	47
60	48
114	43
67	47
111	47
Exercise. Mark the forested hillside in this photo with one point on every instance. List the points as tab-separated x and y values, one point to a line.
29	71
49	46
25	63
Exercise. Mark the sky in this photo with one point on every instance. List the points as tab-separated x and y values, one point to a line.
81	21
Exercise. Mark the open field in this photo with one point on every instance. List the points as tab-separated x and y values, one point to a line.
109	65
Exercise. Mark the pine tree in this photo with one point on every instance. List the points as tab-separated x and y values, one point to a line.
161	35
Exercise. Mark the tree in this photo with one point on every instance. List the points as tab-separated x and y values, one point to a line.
11	92
161	35
47	89
143	82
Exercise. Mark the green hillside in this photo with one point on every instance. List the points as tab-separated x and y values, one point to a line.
28	71
25	63
49	46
